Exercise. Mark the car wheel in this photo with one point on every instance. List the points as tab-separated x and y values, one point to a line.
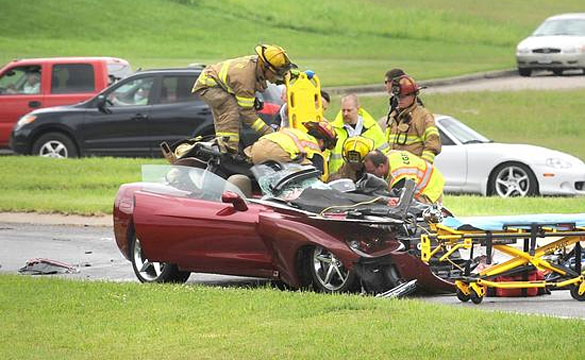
524	71
557	72
150	271
54	145
512	179
328	273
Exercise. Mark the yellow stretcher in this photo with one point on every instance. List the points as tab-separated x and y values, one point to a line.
303	96
563	234
304	103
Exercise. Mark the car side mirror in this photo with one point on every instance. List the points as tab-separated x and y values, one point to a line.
230	197
101	103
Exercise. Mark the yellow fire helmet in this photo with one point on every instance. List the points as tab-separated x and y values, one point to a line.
275	58
356	148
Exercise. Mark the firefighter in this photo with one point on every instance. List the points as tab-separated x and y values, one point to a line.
355	149
397	166
410	126
229	89
294	145
352	120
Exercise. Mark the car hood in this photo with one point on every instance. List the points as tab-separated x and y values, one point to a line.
530	154
58	109
558	41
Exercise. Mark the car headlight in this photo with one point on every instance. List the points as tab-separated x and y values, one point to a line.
558	163
574	49
522	50
26	119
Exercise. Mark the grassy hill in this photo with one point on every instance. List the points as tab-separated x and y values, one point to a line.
349	42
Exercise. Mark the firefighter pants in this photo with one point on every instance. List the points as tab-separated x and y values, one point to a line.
226	115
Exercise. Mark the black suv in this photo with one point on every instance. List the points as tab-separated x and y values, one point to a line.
130	118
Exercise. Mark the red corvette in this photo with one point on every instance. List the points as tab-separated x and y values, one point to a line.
301	232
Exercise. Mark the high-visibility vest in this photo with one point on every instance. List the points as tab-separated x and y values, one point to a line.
405	165
371	130
295	142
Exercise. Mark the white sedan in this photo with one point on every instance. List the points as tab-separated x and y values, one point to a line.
471	163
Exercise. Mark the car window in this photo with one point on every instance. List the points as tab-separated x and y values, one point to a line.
22	80
72	78
445	140
177	88
133	92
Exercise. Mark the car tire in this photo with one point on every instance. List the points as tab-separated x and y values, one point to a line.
55	145
558	72
328	273
512	179
153	272
524	71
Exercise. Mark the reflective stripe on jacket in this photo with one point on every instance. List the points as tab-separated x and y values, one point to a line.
405	165
297	143
371	129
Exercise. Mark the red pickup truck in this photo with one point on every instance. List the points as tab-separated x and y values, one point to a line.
30	84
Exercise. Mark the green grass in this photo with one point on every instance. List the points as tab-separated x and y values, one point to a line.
79	186
349	42
59	319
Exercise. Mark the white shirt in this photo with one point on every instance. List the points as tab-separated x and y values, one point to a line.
357	130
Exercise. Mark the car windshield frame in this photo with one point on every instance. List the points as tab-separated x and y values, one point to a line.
556	27
461	132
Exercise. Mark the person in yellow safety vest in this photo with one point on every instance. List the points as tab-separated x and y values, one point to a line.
397	166
229	89
294	145
355	149
353	120
410	126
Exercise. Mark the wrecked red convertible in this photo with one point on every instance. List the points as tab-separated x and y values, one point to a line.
301	232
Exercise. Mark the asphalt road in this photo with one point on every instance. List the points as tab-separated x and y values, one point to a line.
92	250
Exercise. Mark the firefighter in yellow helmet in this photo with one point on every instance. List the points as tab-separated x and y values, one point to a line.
294	145
229	89
355	149
409	125
397	166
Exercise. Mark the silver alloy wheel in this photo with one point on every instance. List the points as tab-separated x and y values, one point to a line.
149	271
329	271
512	181
54	149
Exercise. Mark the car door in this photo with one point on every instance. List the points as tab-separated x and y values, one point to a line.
196	230
121	127
452	162
178	113
19	96
70	83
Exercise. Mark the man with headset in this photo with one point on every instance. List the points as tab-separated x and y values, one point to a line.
410	126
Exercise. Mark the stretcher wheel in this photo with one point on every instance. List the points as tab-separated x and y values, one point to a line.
462	296
475	298
575	293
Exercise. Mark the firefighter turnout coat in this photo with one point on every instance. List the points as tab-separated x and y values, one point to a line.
413	129
287	145
229	88
405	165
